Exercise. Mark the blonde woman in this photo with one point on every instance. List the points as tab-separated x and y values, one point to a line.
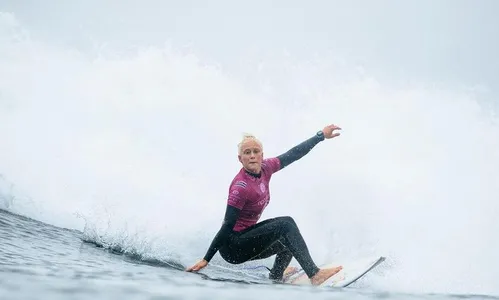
241	238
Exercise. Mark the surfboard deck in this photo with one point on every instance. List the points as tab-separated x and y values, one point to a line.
351	272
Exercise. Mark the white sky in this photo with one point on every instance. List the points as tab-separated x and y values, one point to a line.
444	40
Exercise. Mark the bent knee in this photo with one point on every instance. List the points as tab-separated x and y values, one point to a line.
291	220
288	222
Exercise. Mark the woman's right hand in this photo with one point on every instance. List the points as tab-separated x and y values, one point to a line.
198	266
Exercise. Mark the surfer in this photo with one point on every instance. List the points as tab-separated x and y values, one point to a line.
240	237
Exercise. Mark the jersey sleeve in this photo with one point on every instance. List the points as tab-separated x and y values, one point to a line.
272	164
237	194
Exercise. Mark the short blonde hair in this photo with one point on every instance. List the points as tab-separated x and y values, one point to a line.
247	137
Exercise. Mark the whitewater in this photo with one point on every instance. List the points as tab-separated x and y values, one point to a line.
119	129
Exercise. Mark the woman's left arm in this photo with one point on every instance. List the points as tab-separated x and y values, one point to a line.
303	148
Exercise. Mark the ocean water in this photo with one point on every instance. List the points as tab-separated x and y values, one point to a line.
119	128
44	261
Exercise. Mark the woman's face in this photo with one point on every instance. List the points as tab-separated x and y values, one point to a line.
251	156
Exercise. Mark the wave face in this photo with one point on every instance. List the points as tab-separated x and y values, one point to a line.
117	124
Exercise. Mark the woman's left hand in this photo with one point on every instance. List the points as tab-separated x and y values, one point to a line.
329	131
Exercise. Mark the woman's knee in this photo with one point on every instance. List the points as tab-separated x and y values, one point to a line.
288	222
291	220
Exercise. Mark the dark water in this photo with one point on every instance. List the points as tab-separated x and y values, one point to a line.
42	261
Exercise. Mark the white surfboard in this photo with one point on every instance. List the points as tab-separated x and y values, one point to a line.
350	273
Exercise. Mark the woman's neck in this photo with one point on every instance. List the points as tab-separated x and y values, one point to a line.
257	175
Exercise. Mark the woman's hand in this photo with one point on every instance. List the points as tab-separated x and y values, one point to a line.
329	131
198	266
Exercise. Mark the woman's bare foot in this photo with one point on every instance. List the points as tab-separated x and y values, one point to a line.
290	271
324	275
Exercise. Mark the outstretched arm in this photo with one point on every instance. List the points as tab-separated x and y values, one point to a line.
303	148
299	151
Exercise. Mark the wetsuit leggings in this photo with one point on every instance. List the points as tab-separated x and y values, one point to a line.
279	236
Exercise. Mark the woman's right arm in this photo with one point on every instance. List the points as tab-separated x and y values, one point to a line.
231	215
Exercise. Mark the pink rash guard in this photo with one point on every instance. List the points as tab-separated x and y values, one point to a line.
251	194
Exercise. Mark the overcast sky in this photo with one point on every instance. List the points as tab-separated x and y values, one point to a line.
441	40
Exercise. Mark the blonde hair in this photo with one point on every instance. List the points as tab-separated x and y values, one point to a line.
247	137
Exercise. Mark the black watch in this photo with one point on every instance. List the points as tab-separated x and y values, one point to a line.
320	134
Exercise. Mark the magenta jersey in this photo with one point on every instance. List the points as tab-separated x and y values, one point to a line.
251	194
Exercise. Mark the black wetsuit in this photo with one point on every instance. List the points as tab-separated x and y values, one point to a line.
278	236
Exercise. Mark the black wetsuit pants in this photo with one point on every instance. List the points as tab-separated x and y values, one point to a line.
278	236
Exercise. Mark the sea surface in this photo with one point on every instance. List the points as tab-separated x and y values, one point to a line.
44	261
